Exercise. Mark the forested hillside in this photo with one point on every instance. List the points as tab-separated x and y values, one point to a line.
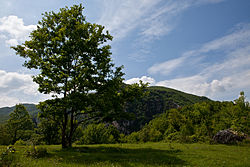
197	123
157	101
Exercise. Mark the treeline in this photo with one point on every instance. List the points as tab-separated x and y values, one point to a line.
192	123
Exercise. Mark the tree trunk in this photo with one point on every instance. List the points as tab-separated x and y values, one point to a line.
14	138
71	128
64	122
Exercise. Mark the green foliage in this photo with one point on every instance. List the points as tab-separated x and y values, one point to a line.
19	125
133	138
241	101
49	123
178	97
36	152
4	137
196	123
100	134
20	142
75	66
7	157
157	101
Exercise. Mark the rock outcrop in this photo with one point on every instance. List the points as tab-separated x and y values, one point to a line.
228	136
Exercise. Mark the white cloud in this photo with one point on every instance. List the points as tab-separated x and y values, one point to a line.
18	88
11	42
144	79
224	88
13	30
167	66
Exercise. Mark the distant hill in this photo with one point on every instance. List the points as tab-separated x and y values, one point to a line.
158	101
5	111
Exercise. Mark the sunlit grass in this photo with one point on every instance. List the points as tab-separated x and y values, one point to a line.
148	154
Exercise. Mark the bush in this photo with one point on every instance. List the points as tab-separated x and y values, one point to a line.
20	143
36	152
122	138
133	138
175	136
8	156
99	134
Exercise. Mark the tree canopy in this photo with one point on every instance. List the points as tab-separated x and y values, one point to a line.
75	67
19	124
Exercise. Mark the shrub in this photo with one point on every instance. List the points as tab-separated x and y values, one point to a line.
7	157
36	152
133	138
155	135
99	134
122	138
20	143
149	134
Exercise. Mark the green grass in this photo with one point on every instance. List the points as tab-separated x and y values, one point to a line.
149	154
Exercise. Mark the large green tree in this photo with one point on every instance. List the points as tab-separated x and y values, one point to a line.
75	67
19	125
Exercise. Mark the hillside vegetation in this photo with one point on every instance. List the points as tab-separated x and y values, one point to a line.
196	123
158	100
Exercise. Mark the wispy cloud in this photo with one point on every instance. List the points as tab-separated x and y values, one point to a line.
13	30
227	46
167	66
150	19
153	18
121	17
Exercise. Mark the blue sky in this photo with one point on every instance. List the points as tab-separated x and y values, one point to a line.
196	46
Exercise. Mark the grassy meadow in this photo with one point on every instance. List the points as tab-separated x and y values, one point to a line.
128	155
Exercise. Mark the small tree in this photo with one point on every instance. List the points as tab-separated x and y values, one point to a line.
19	124
241	101
75	67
